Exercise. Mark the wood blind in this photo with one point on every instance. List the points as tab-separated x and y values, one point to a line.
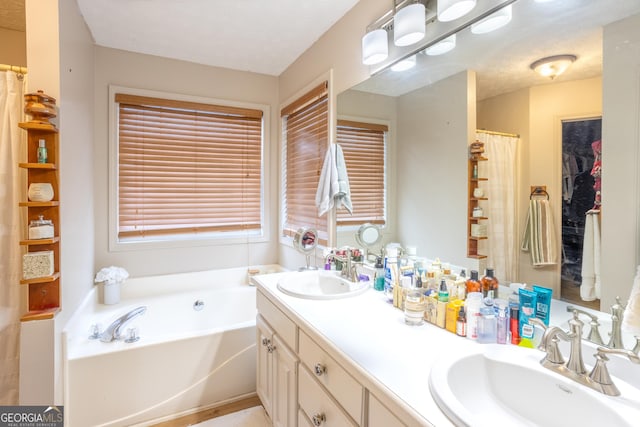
364	152
187	168
305	129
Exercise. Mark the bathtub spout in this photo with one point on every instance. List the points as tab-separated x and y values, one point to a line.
112	333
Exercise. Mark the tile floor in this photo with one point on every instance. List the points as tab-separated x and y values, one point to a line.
251	417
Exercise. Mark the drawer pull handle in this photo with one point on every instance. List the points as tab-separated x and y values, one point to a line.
270	348
320	369
318	419
266	341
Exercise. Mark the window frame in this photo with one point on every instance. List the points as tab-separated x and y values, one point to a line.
387	153
385	156
324	235
214	238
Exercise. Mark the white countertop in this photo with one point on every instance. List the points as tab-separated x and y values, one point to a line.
385	353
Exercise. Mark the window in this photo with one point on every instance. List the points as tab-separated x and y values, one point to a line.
305	129
363	145
186	169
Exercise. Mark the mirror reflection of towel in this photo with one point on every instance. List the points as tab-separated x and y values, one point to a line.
539	237
590	286
333	186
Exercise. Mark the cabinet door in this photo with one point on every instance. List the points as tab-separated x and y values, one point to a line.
285	391
380	416
264	374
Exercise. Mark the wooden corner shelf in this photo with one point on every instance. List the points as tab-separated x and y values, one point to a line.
473	202
44	295
46	166
44	279
39	242
47	313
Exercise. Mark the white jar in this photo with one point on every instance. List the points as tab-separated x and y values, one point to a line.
478	192
40	192
40	229
472	307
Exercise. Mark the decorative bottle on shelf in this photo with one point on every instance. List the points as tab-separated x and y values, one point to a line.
489	283
42	152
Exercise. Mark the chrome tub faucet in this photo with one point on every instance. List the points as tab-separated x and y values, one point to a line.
113	332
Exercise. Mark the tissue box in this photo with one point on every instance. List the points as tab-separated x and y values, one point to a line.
37	264
478	230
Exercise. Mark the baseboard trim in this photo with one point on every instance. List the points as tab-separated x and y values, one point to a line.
201	414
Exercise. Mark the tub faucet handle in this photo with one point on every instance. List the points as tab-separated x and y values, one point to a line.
94	331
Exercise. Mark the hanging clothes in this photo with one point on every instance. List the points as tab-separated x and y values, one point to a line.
590	286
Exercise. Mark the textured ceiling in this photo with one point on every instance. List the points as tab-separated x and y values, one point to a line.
12	15
251	35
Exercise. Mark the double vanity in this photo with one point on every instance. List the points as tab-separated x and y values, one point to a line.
348	359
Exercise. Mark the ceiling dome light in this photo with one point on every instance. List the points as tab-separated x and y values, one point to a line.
553	66
374	47
494	21
409	25
443	46
449	10
404	64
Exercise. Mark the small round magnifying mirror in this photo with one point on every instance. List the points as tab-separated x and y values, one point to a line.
305	241
367	236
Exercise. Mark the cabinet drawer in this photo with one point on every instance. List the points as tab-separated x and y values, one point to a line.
344	388
316	403
281	324
303	421
380	416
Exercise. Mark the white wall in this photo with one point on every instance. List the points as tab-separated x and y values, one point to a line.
620	159
60	57
433	140
154	73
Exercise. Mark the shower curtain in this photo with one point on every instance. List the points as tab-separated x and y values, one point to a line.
11	147
500	208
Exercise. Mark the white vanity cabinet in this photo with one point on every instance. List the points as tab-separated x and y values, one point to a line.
277	364
300	383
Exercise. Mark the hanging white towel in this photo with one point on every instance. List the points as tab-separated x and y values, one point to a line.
631	319
590	287
539	235
333	186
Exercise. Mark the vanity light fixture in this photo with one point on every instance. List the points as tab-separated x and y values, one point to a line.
553	66
442	47
374	47
409	25
404	64
494	21
449	10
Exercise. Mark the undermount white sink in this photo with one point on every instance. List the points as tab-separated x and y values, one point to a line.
320	284
500	385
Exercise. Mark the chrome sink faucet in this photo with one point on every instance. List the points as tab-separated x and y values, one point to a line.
617	313
594	323
112	332
349	266
599	378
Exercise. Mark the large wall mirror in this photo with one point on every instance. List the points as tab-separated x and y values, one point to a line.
486	82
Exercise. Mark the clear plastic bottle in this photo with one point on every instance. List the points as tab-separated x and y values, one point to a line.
501	308
472	308
487	326
414	306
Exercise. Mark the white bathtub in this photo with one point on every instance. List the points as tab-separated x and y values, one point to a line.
185	359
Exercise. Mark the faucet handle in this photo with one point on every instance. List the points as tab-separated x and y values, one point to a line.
594	333
600	374
549	343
